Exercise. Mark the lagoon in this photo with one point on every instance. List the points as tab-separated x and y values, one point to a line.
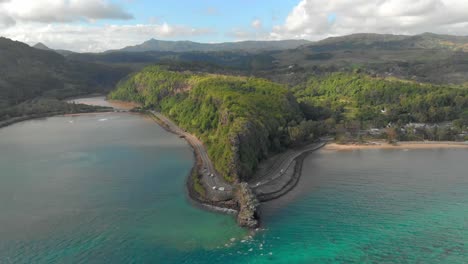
110	188
100	188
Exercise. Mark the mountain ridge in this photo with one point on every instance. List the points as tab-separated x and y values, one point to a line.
42	46
189	46
425	41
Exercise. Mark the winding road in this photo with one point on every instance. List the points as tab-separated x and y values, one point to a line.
215	185
281	165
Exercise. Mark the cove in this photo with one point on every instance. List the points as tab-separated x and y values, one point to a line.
109	188
99	188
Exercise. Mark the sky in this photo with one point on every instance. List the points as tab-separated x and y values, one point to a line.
99	25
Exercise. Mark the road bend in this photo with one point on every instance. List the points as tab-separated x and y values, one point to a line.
282	164
213	181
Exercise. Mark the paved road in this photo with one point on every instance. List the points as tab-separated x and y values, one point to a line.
216	180
281	165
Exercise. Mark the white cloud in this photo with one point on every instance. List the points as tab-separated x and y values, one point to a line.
59	24
61	10
6	21
256	31
257	24
65	24
85	38
317	19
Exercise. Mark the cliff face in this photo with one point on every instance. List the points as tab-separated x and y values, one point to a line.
240	120
250	147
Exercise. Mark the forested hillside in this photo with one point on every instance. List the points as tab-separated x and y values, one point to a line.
432	58
377	102
241	120
28	73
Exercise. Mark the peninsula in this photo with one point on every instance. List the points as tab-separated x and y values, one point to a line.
251	118
233	123
250	135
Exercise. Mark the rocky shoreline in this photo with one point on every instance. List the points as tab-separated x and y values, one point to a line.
243	203
245	200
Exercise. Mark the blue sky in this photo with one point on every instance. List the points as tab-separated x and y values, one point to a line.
98	25
221	16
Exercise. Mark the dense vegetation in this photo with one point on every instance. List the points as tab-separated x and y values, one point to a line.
428	58
376	102
241	120
28	73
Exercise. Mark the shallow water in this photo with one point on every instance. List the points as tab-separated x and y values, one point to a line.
374	206
109	188
100	187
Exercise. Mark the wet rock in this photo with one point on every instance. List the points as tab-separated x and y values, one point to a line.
247	216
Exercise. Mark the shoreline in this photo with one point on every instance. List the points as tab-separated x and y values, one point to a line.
283	186
123	105
276	187
192	195
228	206
20	119
219	207
399	145
286	182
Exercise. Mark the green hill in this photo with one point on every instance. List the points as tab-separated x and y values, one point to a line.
345	97
241	120
28	73
432	58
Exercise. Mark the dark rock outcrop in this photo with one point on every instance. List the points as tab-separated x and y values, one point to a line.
247	202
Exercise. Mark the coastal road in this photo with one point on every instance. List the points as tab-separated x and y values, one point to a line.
212	183
281	165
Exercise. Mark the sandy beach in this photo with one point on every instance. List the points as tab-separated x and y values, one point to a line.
399	145
123	105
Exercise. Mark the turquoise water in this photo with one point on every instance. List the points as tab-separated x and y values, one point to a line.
105	188
374	206
109	188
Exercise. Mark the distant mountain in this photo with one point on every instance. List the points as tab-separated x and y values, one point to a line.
387	41
426	58
188	46
42	46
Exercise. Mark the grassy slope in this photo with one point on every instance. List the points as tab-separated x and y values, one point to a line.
241	120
